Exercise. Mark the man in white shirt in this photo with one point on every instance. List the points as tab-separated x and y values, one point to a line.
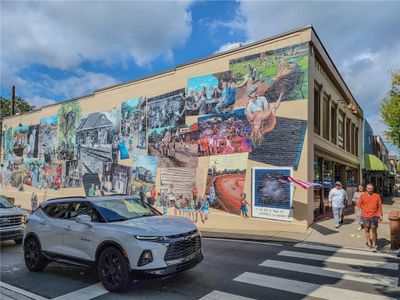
337	198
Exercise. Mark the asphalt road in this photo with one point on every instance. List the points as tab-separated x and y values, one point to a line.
230	270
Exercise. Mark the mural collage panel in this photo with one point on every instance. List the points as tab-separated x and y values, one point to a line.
216	125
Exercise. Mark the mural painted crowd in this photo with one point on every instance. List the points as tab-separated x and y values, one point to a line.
233	119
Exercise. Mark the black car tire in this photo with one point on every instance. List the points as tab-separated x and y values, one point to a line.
34	258
113	270
18	241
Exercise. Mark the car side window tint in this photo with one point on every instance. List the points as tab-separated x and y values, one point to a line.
57	210
82	208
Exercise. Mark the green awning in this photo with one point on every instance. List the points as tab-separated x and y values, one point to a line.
373	163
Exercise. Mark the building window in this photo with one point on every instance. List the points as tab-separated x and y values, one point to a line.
333	123
326	114
356	142
317	109
341	130
347	135
352	138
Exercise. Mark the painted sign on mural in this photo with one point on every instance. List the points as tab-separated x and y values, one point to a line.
133	128
272	195
225	134
33	141
225	181
97	140
211	94
166	110
68	117
174	146
48	139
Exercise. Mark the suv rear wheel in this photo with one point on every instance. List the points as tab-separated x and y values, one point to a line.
34	259
113	270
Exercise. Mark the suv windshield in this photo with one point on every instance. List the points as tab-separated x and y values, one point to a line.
4	203
115	210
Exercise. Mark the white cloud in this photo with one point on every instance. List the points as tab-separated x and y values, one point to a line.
227	46
78	84
38	102
62	34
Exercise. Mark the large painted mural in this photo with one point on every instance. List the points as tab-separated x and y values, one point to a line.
186	151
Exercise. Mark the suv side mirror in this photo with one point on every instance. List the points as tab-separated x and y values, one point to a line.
84	219
18	205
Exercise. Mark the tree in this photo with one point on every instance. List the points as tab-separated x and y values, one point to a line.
390	110
21	106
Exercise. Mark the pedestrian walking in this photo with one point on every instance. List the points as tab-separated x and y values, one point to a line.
370	204
34	202
356	198
337	198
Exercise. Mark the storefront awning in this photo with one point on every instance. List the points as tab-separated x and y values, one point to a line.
373	163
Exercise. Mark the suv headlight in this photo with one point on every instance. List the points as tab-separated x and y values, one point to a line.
148	238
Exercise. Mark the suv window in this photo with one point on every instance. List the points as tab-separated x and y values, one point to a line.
57	210
82	208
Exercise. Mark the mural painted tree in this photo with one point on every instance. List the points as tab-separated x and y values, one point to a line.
68	116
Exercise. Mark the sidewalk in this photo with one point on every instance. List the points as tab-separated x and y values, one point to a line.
325	232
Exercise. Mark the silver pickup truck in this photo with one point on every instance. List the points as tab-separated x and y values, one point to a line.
12	221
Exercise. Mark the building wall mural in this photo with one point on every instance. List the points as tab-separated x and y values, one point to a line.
133	127
210	94
97	140
68	117
48	139
187	153
33	141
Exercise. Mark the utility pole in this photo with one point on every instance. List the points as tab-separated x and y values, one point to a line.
13	100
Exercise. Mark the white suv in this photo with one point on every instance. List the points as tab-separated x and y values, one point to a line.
121	236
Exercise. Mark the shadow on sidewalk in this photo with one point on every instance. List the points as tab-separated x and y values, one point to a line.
323	230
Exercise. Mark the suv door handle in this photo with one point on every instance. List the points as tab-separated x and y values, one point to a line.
67	227
42	222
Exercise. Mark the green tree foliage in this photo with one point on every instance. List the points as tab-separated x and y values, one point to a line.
390	110
21	106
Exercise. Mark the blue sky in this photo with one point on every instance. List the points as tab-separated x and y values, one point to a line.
65	49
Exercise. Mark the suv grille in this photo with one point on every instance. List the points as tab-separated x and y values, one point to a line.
183	245
8	221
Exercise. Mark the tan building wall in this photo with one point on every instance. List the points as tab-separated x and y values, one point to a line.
111	98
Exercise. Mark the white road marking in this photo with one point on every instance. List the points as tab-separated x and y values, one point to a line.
305	288
89	292
344	250
217	295
21	291
334	273
341	260
243	241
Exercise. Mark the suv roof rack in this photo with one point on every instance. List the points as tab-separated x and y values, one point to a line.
67	197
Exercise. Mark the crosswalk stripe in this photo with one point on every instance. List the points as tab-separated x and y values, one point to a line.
344	250
341	260
217	295
89	292
333	273
305	288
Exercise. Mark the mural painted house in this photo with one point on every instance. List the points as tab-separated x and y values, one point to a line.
221	140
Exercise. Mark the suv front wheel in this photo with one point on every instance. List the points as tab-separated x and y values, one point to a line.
34	259
113	270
